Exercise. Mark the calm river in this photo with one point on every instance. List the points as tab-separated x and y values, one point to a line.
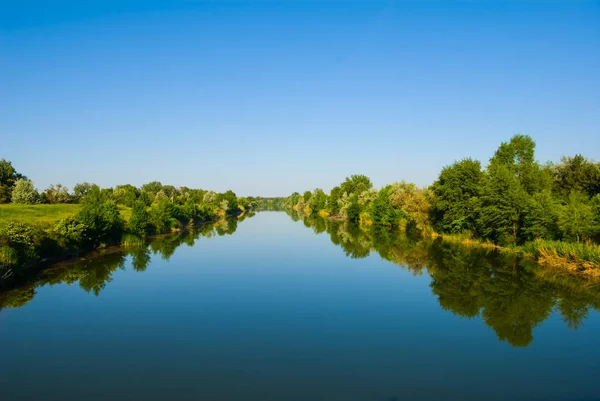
286	309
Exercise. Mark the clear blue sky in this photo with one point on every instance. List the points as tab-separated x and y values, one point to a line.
268	97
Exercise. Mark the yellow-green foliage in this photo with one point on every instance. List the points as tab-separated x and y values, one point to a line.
41	215
568	257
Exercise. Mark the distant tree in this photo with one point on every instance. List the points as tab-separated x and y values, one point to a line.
162	214
231	198
333	206
152	187
8	178
145	198
209	197
24	192
57	194
413	201
576	219
353	210
126	195
576	174
318	199
79	190
382	211
356	184
140	222
306	196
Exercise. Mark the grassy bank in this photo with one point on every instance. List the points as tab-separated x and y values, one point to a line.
45	215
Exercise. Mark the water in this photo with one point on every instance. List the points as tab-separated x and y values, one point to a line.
267	310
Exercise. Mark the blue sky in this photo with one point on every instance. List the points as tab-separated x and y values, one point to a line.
268	97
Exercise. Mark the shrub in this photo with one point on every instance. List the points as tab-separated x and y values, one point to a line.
140	222
101	216
71	233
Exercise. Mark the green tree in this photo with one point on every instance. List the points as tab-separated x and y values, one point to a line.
8	178
576	219
576	174
162	216
318	200
541	217
24	192
333	206
101	216
56	194
353	211
356	184
306	196
456	196
413	201
140	222
80	190
502	202
382	211
126	195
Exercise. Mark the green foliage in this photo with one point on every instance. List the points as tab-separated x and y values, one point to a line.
502	202
161	216
71	233
80	190
126	195
140	222
23	241
145	198
8	178
24	192
382	211
100	214
576	219
56	194
353	211
541	217
413	201
576	174
333	205
356	184
456	196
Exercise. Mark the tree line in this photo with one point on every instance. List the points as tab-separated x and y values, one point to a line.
513	201
154	209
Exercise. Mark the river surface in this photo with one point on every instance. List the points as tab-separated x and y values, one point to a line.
276	309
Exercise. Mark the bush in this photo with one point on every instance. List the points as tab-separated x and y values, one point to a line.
140	222
23	239
70	233
101	216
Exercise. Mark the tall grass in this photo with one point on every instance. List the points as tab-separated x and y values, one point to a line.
568	257
131	240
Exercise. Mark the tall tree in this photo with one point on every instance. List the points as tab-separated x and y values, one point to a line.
8	177
456	196
576	219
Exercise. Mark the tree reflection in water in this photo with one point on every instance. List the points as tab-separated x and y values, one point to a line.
506	291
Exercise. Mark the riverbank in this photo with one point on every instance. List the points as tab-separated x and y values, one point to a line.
563	258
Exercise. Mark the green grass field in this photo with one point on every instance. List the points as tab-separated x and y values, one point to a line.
44	215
